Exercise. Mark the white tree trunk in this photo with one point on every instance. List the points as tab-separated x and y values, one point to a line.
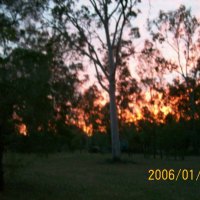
114	122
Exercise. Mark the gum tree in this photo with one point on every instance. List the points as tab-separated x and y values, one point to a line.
101	31
179	31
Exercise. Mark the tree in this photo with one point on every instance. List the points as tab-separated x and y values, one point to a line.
15	32
91	107
64	84
29	73
152	68
81	28
127	89
7	35
178	31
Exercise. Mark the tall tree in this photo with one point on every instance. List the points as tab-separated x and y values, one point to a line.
7	35
98	30
29	73
178	30
16	30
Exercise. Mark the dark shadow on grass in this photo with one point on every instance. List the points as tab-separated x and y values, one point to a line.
118	162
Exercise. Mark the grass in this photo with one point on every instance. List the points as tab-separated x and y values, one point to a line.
92	177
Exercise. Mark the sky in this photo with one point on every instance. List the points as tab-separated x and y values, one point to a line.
149	9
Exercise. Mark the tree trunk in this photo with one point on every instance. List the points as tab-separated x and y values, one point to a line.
1	162
114	123
193	124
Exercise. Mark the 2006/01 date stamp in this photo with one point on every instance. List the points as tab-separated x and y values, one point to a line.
173	175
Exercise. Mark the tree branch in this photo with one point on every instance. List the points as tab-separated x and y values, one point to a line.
99	79
116	29
118	47
97	61
97	10
179	59
114	10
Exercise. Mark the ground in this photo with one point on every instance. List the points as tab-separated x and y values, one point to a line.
83	176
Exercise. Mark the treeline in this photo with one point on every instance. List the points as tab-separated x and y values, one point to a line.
40	67
72	139
42	95
173	140
40	82
170	140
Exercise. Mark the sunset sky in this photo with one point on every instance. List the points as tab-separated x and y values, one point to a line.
149	10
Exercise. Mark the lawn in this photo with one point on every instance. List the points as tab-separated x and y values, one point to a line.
86	176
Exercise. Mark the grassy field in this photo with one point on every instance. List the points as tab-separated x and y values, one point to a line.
93	177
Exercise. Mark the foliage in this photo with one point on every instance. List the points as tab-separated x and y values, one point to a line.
106	52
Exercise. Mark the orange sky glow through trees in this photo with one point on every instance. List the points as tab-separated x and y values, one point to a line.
158	106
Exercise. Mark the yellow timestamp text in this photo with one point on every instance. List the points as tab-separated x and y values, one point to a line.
173	175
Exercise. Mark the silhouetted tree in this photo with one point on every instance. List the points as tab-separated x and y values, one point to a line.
87	21
127	90
152	68
7	35
90	103
64	84
15	31
178	31
29	72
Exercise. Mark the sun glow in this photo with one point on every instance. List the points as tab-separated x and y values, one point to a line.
22	129
151	107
